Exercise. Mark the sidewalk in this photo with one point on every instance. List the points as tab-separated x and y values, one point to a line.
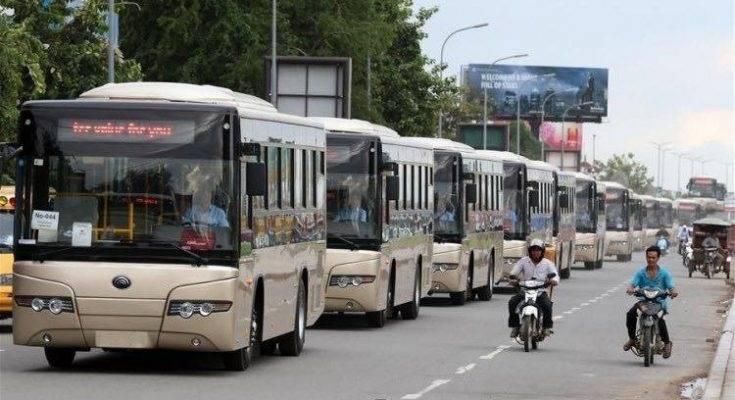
721	379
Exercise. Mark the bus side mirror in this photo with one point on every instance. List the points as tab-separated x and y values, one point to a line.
564	200
392	184
470	193
255	179
533	198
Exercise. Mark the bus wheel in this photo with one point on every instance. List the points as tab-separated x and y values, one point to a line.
589	265
458	298
485	293
411	310
599	263
565	273
59	358
376	319
240	359
293	343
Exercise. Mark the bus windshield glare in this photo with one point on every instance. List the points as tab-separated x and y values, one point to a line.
616	210
351	188
108	177
513	201
585	200
445	191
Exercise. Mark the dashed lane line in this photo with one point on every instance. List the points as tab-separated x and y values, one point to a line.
466	368
427	389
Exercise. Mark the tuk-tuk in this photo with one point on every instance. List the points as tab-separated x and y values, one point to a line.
709	250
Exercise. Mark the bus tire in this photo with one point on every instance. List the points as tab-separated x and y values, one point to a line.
58	357
293	342
458	298
376	319
485	293
599	263
589	265
411	310
565	273
240	359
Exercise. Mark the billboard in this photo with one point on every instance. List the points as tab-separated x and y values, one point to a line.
551	135
519	87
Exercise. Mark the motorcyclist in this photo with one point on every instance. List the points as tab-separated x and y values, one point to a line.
533	266
683	236
663	234
655	276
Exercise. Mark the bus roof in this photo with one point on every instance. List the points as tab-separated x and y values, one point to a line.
441	144
582	177
611	184
355	126
504	156
664	200
544	166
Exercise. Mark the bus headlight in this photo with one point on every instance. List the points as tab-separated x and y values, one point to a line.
442	267
346	280
37	304
56	306
6	279
187	308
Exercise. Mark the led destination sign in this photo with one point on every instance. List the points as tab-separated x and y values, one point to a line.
128	131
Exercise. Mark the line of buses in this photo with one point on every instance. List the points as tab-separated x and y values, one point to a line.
186	217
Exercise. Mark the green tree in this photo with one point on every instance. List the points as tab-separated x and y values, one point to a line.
624	169
52	50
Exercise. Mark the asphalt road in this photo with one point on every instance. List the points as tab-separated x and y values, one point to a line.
447	353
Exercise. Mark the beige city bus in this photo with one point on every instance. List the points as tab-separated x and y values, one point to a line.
619	234
589	243
185	217
468	221
380	202
565	227
637	217
650	219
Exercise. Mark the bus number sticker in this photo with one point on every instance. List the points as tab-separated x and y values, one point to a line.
81	234
43	219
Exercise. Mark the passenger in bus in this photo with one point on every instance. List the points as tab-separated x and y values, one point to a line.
447	215
352	211
203	212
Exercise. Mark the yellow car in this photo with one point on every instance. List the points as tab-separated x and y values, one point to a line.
7	213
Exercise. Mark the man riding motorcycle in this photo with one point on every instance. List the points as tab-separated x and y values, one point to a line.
652	275
533	266
683	236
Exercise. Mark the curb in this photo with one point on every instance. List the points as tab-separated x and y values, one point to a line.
721	378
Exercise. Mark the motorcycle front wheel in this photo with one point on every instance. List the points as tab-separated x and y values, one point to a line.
526	333
647	347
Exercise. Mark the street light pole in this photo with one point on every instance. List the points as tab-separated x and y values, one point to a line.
441	63
274	68
678	173
659	146
563	132
543	114
110	40
484	108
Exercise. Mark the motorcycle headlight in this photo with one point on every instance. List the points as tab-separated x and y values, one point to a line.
650	294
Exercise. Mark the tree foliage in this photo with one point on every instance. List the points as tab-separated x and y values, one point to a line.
624	169
52	50
225	43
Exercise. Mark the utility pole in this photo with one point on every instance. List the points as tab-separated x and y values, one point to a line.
274	68
110	41
659	146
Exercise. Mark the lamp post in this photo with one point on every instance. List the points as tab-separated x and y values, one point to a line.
274	68
484	107
563	132
659	146
111	37
678	173
543	114
441	62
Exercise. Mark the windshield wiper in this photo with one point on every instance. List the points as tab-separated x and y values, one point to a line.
340	238
199	259
40	257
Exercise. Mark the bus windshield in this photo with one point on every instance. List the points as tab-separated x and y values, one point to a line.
666	217
651	215
513	201
616	210
446	204
584	203
636	214
112	177
702	188
351	188
686	213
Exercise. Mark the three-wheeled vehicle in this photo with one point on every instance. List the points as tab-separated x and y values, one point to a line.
709	250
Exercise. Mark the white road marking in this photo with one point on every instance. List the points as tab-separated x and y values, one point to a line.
427	389
466	368
570	312
495	353
593	301
558	317
576	308
584	304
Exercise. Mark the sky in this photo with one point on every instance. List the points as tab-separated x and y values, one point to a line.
670	67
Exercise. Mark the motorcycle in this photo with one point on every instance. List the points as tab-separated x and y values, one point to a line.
663	244
531	332
711	266
648	342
